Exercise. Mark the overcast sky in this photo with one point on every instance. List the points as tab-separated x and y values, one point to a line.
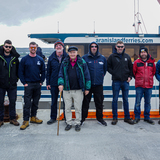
18	18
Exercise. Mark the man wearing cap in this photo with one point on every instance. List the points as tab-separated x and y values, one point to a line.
97	65
143	69
73	80
53	67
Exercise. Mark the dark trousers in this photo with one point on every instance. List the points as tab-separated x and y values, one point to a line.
98	99
12	95
54	96
32	94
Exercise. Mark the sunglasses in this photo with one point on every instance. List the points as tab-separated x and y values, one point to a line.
120	46
93	46
8	46
32	47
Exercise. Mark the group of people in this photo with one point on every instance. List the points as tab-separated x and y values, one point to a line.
78	78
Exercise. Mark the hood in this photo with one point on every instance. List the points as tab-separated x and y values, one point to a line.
13	53
97	53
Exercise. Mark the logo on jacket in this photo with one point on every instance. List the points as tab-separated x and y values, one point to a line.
101	63
38	63
125	59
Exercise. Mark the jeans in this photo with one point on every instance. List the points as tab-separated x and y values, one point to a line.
12	95
32	94
124	86
98	99
54	95
147	92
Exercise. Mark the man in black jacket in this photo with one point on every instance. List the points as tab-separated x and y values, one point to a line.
120	67
8	80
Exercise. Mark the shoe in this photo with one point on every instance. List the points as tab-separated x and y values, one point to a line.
35	120
77	127
114	122
129	121
14	122
102	122
82	123
24	125
1	123
149	121
159	122
51	121
68	127
136	120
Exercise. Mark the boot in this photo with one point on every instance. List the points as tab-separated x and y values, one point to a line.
24	125
35	120
14	122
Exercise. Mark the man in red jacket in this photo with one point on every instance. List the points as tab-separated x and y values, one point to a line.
143	69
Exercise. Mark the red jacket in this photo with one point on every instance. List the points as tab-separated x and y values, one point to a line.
144	72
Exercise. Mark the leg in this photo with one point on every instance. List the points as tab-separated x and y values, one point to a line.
54	95
125	90
78	98
12	95
147	105
85	105
115	89
28	92
98	99
2	93
35	98
68	103
137	109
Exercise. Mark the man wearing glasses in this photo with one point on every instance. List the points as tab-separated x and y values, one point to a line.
32	76
97	65
119	65
8	80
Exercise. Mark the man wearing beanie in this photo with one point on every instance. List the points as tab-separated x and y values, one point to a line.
143	69
53	67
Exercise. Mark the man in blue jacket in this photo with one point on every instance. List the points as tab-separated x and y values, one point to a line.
53	68
158	78
32	76
97	65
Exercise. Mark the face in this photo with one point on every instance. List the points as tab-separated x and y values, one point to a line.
94	48
120	47
7	48
73	54
143	55
33	48
59	48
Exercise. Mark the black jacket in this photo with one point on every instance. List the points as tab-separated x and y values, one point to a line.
9	77
119	67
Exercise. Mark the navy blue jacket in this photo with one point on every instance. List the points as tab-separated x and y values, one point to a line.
97	65
53	68
82	71
31	69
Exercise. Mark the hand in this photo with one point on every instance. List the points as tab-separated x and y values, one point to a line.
129	79
48	87
26	85
60	88
86	92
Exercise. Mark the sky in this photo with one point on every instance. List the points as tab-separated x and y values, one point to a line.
19	18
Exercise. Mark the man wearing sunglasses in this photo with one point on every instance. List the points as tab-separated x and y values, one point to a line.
8	80
32	76
119	65
97	65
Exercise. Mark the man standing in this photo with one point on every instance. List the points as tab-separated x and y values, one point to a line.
120	67
97	65
32	76
143	69
8	80
53	68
